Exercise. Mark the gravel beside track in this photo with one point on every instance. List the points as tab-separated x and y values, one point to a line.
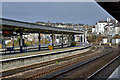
73	72
83	72
48	64
78	67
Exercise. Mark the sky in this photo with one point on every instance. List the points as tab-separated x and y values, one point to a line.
66	12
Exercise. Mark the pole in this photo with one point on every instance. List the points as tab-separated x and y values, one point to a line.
80	40
69	40
21	43
53	40
62	39
39	37
83	39
13	41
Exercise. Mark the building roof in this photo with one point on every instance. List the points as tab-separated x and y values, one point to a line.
117	36
112	7
34	28
110	25
102	21
117	25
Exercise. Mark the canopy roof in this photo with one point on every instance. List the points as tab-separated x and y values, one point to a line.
111	7
21	27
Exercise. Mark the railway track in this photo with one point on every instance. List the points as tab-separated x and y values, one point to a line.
55	69
58	72
65	70
33	66
15	71
95	76
25	68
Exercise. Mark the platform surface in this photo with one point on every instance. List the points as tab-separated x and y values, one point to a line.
115	74
39	52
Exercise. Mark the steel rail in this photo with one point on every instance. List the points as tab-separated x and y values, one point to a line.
33	65
98	71
65	70
38	55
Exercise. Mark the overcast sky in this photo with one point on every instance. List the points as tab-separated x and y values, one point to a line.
74	12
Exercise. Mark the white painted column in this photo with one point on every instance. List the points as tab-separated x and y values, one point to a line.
21	43
83	41
80	39
69	40
85	37
62	40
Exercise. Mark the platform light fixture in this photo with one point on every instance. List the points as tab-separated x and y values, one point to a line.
16	28
25	29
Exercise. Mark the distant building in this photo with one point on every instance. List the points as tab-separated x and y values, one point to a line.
116	39
104	40
106	27
31	37
93	29
117	28
109	30
100	27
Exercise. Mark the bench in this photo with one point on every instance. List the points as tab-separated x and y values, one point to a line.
10	49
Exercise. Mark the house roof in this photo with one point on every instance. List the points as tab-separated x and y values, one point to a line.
109	25
117	25
112	7
102	21
117	36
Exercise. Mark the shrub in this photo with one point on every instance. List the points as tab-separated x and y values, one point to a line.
73	43
93	47
27	44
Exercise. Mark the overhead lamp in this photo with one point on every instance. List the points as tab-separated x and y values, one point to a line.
16	28
2	27
25	29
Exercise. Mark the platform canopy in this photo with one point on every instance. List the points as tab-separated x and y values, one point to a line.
112	7
26	27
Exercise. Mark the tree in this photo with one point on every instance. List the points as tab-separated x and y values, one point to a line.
92	38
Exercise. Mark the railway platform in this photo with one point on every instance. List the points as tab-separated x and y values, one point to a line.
38	53
23	59
115	75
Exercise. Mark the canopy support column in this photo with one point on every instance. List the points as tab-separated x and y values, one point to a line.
69	40
13	41
83	39
53	40
80	40
0	36
21	43
62	39
73	38
39	37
